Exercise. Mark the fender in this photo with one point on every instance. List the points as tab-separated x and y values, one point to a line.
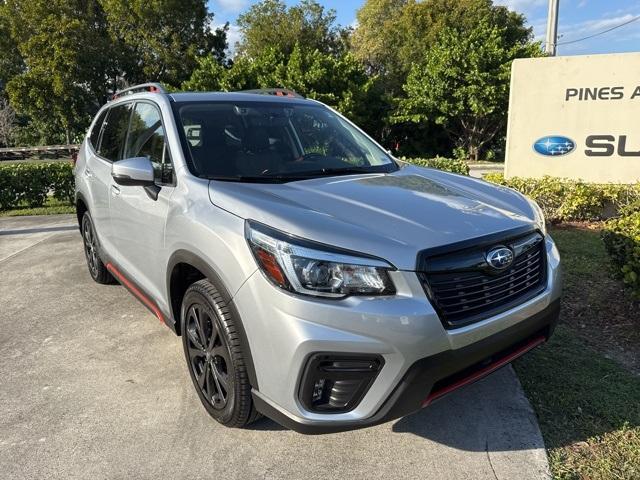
101	253
80	196
185	256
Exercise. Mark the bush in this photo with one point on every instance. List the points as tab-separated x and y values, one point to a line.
29	184
622	239
562	199
441	163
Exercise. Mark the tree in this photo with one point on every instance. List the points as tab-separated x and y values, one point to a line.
463	84
270	24
66	52
378	35
394	34
7	122
10	60
73	54
160	40
422	23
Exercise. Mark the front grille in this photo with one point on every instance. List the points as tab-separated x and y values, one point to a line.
465	289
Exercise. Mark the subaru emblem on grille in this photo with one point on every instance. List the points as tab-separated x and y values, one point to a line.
500	257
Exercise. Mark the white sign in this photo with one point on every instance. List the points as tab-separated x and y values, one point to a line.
576	117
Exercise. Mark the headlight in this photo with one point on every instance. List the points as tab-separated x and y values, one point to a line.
309	268
539	216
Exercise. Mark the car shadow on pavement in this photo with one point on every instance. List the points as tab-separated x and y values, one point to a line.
492	414
265	424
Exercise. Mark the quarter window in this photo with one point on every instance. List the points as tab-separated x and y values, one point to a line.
147	139
94	137
114	132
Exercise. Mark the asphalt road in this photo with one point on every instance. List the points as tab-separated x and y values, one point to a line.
92	386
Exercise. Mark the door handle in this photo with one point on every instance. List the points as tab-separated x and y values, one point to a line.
115	190
88	172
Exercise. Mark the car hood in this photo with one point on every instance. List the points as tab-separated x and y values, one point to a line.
392	216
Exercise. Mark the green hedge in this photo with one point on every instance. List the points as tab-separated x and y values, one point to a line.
622	238
29	184
441	163
573	200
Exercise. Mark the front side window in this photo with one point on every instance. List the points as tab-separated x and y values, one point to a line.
147	139
114	132
259	141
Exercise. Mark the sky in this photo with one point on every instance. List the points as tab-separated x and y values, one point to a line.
578	19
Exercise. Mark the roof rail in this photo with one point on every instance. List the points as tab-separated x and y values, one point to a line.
143	87
278	92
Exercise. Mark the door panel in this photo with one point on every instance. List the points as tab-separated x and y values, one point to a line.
97	171
137	219
98	175
137	224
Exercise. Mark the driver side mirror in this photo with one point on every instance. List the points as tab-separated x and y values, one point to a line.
136	171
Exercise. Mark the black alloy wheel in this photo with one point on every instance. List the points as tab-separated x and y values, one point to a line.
208	356
215	355
97	270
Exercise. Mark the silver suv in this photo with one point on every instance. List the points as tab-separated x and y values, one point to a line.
313	278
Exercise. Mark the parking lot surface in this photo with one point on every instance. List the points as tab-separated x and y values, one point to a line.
92	386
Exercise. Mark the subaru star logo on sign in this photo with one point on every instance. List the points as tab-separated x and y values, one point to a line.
500	258
554	146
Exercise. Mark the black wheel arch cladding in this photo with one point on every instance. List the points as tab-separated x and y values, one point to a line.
193	260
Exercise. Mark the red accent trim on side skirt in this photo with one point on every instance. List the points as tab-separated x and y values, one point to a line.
133	289
484	371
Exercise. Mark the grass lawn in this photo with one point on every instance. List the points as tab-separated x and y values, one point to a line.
584	384
51	207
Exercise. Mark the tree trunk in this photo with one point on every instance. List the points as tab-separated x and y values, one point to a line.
474	152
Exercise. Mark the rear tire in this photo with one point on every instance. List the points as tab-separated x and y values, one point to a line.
97	270
213	350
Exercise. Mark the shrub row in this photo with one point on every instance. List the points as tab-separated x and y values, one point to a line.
441	163
622	239
29	184
565	200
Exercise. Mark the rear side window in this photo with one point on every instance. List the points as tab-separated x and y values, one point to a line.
94	136
147	139
114	132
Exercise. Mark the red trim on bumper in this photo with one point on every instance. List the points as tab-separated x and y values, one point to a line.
137	293
484	371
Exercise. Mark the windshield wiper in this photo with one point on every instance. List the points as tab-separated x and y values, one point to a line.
251	179
292	176
329	172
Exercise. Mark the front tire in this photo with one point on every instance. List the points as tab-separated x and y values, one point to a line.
97	270
213	350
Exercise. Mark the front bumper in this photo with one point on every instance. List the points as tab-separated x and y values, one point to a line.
420	356
431	377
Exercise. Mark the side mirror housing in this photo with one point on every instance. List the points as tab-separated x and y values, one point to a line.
136	171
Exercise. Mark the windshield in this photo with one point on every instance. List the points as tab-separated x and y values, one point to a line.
270	141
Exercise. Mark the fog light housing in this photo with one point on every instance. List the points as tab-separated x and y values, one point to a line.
336	383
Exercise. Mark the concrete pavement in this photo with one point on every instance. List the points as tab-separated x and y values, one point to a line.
93	386
479	170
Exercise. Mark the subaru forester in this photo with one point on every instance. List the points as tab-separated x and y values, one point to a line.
312	277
